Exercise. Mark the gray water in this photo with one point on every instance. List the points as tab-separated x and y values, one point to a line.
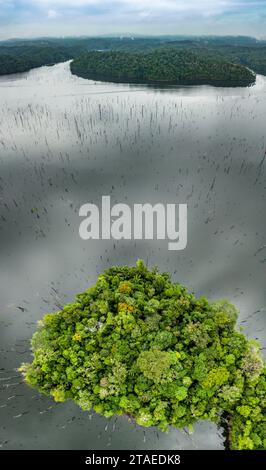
65	141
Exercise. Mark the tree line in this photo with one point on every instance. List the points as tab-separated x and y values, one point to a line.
212	59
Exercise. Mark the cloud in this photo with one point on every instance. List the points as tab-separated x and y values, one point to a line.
162	7
106	16
52	14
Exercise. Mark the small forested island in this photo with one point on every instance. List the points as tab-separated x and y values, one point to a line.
139	345
161	66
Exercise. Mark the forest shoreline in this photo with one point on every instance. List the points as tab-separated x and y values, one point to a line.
164	83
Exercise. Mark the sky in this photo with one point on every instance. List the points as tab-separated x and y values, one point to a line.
34	18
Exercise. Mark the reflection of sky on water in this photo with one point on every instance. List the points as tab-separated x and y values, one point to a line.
65	141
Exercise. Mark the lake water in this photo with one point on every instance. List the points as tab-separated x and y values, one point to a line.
65	141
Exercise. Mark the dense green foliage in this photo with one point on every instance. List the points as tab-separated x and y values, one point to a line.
251	56
137	344
22	55
19	59
172	66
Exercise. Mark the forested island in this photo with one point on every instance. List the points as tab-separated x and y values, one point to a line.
139	345
165	59
161	66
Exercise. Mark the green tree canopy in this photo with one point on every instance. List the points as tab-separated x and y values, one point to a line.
181	66
137	344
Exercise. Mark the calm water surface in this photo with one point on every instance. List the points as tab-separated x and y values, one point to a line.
65	141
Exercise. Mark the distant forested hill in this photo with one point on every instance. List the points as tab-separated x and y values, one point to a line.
23	55
162	66
21	58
